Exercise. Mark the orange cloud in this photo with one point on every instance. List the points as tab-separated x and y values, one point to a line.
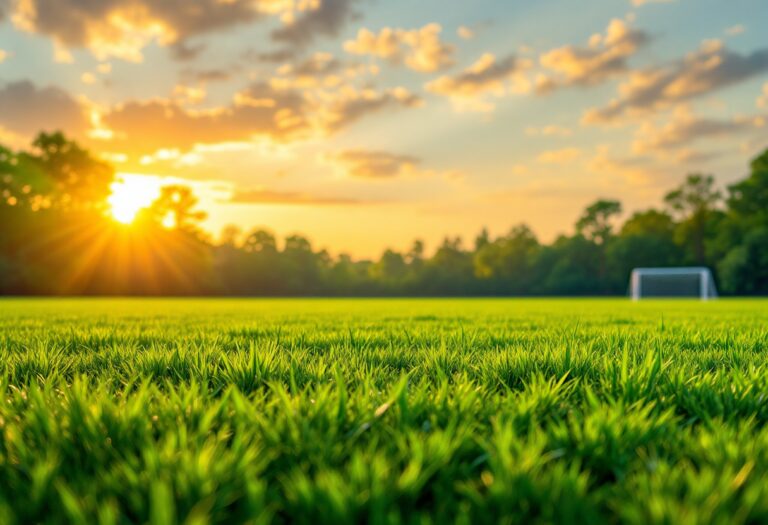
605	57
484	79
635	170
762	100
419	49
309	19
27	109
282	115
338	109
684	127
465	33
375	164
123	28
708	69
320	70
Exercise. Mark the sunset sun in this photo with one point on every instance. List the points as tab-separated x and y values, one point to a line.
130	194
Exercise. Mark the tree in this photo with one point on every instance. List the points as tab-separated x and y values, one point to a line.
416	253
695	201
77	179
449	271
507	262
300	266
646	239
391	270
231	235
22	181
650	223
595	223
175	209
570	266
260	241
744	270
748	198
744	235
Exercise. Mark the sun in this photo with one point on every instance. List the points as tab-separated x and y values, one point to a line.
130	194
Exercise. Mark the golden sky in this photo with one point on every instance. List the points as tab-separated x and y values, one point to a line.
365	124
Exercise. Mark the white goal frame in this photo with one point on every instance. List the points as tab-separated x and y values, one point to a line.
707	288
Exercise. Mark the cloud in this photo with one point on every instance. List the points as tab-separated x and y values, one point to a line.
684	128
318	70
604	57
143	127
122	28
419	49
559	156
735	30
635	170
26	109
368	164
348	105
551	130
88	78
485	78
710	68
465	33
3	55
186	52
316	18
205	76
261	196
762	100
189	95
317	64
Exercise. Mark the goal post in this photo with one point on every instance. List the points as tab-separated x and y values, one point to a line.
672	282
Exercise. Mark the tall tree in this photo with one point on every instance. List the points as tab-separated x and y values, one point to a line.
595	224
695	201
78	180
175	208
507	262
748	199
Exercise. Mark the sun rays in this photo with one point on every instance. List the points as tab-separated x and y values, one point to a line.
131	194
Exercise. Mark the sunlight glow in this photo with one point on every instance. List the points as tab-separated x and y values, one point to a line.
130	194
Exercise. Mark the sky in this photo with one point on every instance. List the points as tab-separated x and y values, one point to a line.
365	124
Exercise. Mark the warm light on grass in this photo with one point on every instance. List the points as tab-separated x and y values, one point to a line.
130	194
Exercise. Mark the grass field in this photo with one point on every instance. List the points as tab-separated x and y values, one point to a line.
385	411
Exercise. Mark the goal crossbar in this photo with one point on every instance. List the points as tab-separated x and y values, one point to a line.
705	284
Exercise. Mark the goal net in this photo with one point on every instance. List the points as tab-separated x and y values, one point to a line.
672	282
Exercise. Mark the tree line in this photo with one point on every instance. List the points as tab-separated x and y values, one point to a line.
56	238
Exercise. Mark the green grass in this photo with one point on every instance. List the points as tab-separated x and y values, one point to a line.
383	411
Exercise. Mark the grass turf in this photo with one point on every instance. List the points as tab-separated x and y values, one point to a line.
383	411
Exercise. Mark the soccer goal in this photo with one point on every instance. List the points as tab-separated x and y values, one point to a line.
672	282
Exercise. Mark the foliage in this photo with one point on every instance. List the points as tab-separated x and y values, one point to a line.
56	238
383	411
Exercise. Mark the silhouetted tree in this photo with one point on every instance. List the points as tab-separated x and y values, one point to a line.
175	209
56	238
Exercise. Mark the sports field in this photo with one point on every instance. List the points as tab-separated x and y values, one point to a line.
383	411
